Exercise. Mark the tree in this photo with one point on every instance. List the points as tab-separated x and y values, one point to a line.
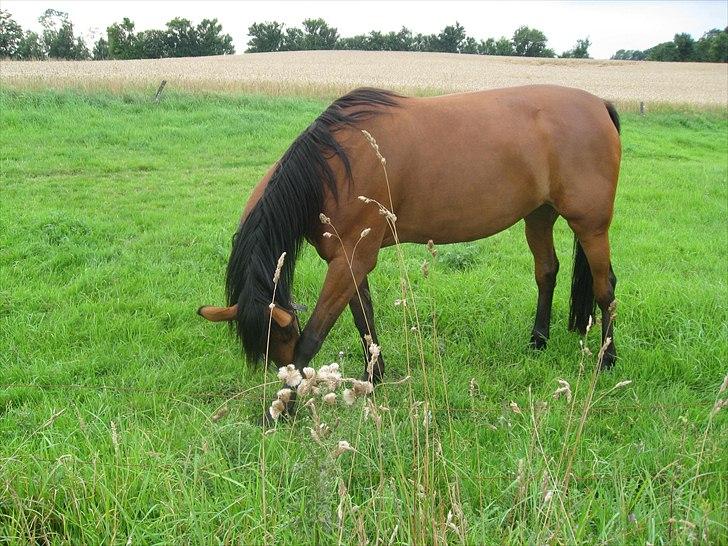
666	51
152	44
629	55
530	42
579	51
504	47
11	34
181	38
360	42
451	39
265	37
60	43
293	40
31	47
684	46
123	43
211	41
101	50
712	46
469	46
317	34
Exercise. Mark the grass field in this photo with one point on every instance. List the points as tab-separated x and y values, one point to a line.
126	419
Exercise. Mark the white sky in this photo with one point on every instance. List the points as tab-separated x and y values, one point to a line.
611	25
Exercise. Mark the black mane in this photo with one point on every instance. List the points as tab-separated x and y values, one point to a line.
286	212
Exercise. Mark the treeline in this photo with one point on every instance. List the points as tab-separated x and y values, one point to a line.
317	34
57	40
712	47
180	38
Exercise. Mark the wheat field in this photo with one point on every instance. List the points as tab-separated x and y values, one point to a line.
317	73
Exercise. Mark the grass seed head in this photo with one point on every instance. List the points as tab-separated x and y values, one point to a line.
279	266
342	447
563	390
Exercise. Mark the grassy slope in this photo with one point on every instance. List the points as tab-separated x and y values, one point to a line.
115	222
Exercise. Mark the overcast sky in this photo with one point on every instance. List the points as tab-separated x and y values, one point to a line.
611	25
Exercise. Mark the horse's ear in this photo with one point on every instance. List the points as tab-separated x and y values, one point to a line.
282	317
216	314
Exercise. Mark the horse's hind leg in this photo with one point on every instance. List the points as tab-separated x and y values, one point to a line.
363	313
540	237
596	248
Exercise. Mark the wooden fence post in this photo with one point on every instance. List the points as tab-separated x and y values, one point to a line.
159	91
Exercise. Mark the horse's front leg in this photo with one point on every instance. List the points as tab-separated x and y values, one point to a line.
338	290
363	313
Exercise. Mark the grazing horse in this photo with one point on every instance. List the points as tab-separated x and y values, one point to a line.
460	167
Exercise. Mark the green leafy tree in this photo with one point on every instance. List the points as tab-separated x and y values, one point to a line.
101	50
360	42
181	38
470	46
211	40
317	34
579	51
152	44
31	47
293	40
265	37
530	42
451	39
666	51
504	47
629	55
11	34
60	43
123	43
399	41
684	46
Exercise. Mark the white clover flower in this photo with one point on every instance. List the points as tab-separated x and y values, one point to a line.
309	373
365	232
289	375
330	398
324	219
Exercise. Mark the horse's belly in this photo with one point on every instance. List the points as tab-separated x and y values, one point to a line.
456	213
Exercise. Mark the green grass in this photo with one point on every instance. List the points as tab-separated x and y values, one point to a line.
115	222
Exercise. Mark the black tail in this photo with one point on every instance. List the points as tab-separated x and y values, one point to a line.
582	292
614	115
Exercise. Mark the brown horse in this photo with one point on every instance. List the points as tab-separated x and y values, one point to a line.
460	167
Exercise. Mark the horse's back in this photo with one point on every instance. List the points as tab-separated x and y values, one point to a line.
465	166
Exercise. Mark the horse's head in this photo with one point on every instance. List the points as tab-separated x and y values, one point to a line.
285	329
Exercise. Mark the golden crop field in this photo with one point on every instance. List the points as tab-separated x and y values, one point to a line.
333	72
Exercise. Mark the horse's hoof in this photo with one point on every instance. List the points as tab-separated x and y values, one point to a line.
608	360
538	342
